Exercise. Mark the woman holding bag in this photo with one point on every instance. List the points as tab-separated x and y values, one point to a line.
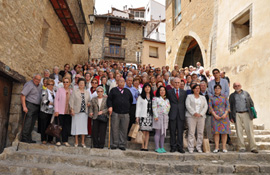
79	103
144	113
197	106
46	110
99	114
62	111
161	108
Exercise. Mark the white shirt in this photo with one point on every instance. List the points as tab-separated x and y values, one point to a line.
198	104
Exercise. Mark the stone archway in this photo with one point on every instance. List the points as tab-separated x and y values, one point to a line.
190	43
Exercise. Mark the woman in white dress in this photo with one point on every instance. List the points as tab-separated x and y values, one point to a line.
144	113
79	103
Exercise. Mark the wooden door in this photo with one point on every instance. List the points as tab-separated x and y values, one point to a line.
5	97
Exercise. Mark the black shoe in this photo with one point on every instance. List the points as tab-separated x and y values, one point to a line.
181	151
113	147
25	141
255	151
32	141
173	150
122	148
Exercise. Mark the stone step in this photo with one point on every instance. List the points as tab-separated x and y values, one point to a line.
9	167
40	159
256	132
258	138
255	126
24	168
89	153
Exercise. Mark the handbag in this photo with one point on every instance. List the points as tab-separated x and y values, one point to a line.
139	138
134	130
54	129
206	146
102	118
253	112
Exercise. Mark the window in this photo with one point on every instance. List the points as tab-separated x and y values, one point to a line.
241	27
137	14
177	11
132	12
153	52
142	14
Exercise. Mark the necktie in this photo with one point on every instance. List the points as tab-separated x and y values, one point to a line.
177	95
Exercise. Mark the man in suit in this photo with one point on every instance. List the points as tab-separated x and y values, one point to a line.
177	99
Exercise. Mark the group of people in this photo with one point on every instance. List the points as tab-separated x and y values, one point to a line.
81	101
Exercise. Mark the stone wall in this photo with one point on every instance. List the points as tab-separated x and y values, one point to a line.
22	38
247	62
132	41
196	22
32	39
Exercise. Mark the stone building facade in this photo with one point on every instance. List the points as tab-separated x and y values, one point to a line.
230	35
33	38
117	38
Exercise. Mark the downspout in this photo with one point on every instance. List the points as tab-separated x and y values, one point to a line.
104	37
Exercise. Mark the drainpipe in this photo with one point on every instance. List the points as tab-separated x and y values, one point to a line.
104	37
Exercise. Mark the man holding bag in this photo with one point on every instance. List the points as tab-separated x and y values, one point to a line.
241	113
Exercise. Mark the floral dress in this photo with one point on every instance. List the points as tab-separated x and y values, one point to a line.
161	109
219	104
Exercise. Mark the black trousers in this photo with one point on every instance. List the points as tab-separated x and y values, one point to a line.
30	120
132	117
99	130
45	120
65	122
176	133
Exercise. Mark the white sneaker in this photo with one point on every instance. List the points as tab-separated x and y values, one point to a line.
216	151
225	151
58	144
199	151
190	152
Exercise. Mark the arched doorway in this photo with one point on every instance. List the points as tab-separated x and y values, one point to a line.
193	54
190	51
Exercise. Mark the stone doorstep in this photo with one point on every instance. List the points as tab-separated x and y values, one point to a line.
70	151
7	168
62	162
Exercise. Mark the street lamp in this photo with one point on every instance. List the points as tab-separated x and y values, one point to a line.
92	19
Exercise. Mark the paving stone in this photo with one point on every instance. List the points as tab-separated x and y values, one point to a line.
264	168
192	169
216	169
250	169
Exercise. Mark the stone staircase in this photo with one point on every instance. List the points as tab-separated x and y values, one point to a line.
52	160
37	159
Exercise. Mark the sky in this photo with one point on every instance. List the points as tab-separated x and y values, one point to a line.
102	6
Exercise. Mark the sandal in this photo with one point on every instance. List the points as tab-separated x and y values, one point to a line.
83	145
216	151
58	144
75	145
67	144
224	151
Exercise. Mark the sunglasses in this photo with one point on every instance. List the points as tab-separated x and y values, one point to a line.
66	82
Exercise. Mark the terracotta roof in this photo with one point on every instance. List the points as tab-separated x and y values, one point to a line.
121	18
139	8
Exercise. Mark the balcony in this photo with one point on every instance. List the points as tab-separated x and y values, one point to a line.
115	31
114	52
